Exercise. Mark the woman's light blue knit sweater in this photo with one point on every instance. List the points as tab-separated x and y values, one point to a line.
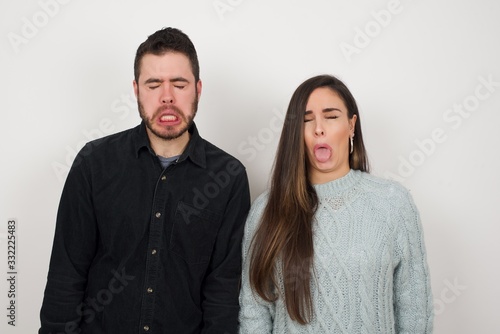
370	270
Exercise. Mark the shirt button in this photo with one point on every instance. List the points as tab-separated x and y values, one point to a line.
163	178
153	251
150	290
158	215
146	328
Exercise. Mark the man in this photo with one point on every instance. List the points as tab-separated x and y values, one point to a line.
149	227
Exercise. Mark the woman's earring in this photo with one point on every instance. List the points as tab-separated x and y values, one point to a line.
352	143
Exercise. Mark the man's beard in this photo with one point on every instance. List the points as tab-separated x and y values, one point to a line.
170	134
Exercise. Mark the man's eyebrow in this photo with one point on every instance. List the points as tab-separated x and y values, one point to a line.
177	79
157	80
153	80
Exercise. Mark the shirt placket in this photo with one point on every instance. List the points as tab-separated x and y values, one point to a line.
157	222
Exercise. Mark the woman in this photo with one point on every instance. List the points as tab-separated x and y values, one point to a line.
330	248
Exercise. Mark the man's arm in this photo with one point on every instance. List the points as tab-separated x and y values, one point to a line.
72	253
220	289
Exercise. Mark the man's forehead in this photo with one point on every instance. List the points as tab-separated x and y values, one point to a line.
166	66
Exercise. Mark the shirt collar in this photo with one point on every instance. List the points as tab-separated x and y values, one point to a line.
195	149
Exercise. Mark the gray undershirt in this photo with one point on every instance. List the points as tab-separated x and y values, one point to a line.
165	162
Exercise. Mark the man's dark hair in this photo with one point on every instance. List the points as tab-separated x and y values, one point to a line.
167	40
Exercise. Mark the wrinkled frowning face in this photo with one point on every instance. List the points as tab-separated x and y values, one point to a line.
167	95
327	132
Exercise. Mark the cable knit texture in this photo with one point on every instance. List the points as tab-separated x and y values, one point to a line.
370	270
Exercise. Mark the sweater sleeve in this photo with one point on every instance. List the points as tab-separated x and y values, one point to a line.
413	305
256	315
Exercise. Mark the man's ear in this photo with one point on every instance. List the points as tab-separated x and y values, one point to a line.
199	87
136	88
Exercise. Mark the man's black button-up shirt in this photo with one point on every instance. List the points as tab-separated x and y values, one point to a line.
142	249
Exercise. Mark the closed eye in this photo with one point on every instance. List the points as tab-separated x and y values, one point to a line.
307	116
331	113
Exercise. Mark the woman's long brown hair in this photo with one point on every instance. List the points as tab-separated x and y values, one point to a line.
285	232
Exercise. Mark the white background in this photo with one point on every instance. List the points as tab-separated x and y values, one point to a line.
66	77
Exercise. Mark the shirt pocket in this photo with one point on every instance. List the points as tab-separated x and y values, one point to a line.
194	233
